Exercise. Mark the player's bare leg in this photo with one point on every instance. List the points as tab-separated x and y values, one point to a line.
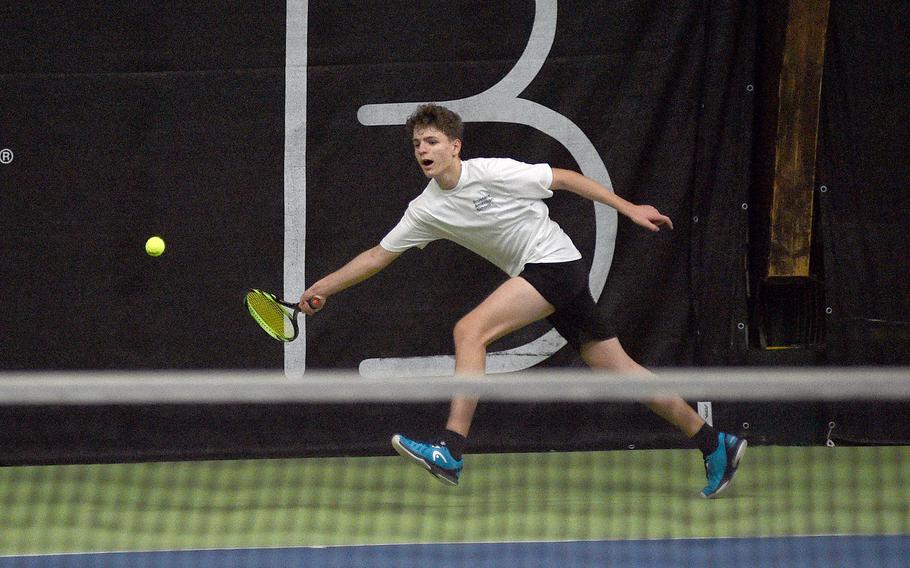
512	306
722	452
609	355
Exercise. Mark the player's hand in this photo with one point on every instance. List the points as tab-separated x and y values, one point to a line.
649	218
310	303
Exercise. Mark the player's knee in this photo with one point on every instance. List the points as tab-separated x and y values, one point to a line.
468	332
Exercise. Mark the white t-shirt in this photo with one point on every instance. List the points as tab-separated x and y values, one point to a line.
496	211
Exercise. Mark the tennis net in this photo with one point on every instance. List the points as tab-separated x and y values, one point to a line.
563	468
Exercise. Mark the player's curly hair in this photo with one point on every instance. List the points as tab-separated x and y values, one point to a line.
431	114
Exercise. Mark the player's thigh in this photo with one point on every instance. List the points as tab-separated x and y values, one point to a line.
609	354
513	305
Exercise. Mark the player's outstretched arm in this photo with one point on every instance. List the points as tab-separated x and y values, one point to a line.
644	215
361	267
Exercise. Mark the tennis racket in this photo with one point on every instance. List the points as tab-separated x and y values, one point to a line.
276	317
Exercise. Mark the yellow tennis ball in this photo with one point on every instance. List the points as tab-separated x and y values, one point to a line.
154	246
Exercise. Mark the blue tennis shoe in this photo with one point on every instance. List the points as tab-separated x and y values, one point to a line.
436	458
721	465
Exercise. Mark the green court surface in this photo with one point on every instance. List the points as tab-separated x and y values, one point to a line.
615	495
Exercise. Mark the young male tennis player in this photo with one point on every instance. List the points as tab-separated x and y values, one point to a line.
494	208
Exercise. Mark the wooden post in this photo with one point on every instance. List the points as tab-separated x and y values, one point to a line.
797	135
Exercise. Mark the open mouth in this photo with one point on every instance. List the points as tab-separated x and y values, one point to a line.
426	163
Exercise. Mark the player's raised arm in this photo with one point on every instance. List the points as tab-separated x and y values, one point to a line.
361	267
646	216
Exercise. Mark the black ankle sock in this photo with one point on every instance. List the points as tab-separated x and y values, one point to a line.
454	441
706	439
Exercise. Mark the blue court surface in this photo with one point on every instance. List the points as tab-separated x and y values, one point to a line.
797	552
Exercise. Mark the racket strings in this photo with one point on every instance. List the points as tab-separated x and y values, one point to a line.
269	314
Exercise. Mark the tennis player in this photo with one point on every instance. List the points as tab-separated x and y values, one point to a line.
494	207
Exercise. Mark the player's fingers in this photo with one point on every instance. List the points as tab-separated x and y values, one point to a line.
315	303
647	223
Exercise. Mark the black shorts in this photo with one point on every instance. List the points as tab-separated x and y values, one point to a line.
565	285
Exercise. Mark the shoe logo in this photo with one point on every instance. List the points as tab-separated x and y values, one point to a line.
437	455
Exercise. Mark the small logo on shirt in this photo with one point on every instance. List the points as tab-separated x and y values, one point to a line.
483	202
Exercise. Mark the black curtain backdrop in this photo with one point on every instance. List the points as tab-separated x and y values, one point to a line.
131	120
128	120
864	202
863	174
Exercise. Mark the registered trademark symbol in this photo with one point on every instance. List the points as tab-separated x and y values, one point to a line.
6	156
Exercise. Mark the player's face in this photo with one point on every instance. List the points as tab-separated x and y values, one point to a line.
436	153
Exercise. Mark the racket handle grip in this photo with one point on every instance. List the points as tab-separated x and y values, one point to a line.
315	302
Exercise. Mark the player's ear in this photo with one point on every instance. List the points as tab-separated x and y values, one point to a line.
457	145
